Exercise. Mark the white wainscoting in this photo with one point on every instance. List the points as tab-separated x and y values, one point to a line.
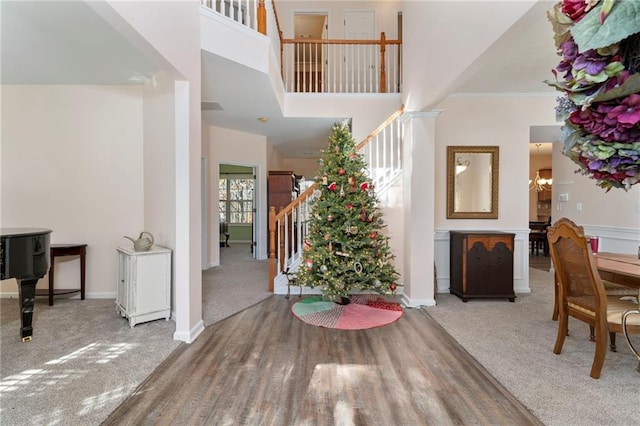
614	239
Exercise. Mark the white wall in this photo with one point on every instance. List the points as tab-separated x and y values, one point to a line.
72	162
432	33
159	159
228	146
493	121
385	20
301	166
367	111
614	216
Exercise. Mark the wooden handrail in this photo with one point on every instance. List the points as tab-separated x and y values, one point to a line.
275	14
334	41
285	211
295	203
384	124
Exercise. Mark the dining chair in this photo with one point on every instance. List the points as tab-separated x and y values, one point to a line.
581	293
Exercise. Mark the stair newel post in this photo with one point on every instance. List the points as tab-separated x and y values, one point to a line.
281	238
262	18
272	246
383	71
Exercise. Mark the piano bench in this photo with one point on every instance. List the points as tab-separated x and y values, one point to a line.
65	250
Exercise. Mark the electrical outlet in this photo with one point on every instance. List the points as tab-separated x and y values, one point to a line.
563	197
579	207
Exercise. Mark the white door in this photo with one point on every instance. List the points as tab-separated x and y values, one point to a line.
360	70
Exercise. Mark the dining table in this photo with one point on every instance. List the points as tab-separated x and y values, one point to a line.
619	268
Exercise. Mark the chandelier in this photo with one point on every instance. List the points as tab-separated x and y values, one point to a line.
540	184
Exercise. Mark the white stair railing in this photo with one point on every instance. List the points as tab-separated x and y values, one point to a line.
382	150
341	66
320	66
242	11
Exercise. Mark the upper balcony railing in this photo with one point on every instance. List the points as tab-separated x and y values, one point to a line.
322	65
341	66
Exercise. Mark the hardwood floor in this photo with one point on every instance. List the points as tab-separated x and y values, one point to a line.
264	366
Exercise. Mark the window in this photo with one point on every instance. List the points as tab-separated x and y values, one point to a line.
236	200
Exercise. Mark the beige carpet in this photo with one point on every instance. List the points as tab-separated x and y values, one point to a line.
514	341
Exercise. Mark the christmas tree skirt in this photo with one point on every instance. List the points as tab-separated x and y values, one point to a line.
364	311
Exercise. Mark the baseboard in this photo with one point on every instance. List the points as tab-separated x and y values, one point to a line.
191	335
14	295
414	303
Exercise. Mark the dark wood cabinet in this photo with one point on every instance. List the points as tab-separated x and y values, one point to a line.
282	188
481	264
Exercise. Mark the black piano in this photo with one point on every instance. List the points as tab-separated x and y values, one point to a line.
24	255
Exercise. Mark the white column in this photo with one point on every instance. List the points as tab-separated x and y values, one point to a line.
188	273
419	202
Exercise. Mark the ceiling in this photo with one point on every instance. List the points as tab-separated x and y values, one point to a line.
55	43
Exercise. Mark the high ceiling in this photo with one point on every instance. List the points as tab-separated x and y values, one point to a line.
69	43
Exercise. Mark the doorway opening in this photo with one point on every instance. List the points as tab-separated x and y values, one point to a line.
310	59
540	203
236	207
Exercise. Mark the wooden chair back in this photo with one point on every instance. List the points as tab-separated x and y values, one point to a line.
581	293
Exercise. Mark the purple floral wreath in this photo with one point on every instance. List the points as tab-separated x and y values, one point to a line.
599	75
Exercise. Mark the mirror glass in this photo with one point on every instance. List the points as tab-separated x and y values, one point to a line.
472	182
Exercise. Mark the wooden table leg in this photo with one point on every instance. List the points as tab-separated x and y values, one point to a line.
83	268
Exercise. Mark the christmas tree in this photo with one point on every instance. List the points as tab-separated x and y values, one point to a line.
345	249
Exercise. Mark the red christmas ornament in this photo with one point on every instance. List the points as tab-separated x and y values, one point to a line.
373	235
332	186
349	206
392	287
341	172
364	186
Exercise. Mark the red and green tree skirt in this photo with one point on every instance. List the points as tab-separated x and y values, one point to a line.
346	249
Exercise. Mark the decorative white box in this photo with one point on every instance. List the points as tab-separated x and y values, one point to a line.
144	284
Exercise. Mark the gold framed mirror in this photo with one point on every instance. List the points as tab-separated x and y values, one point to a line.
472	182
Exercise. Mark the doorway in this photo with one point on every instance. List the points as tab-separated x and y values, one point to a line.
310	59
236	207
540	201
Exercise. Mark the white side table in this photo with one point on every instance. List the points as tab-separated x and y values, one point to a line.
144	284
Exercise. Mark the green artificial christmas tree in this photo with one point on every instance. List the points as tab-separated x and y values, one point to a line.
345	249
